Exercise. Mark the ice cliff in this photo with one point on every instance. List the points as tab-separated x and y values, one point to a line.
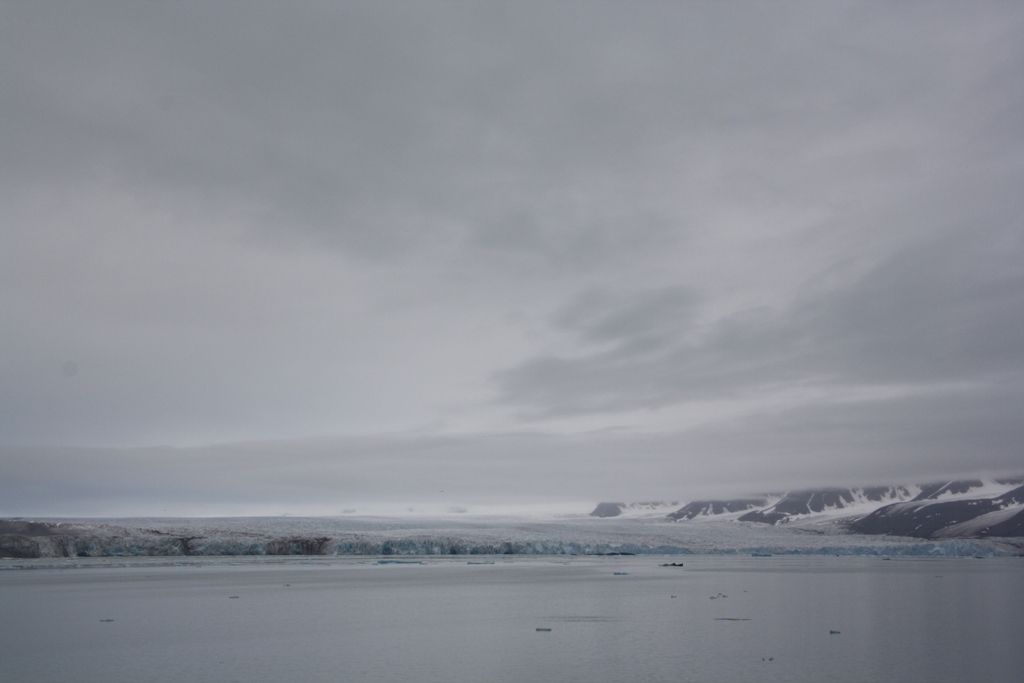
481	536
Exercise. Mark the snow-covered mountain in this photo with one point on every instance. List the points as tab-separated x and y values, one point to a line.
647	509
830	501
715	508
952	509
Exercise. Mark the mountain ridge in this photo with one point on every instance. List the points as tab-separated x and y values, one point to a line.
961	508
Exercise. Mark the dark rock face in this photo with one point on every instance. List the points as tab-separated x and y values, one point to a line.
1014	497
706	508
933	491
1010	528
921	521
297	546
608	510
12	545
819	500
880	493
926	517
24	539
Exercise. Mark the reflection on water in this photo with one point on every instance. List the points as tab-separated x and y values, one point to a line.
610	619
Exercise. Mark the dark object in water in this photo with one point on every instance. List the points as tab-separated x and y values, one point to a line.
543	629
671	564
833	633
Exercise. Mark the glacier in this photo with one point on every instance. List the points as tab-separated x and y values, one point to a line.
954	518
371	536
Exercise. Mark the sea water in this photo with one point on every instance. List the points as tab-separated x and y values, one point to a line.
718	618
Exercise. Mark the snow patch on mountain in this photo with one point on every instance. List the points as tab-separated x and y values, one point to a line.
967	490
720	509
653	509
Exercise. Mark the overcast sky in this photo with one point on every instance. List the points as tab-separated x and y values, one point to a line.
306	257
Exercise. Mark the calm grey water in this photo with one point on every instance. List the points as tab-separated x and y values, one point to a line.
338	619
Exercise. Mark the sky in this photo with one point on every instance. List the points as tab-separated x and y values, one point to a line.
307	257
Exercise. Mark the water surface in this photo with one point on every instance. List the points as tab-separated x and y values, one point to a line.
718	618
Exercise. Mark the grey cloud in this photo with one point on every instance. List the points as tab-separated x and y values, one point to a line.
942	311
327	475
946	310
242	222
896	438
600	316
386	129
852	443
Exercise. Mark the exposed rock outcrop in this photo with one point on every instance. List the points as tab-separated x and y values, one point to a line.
711	508
928	516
